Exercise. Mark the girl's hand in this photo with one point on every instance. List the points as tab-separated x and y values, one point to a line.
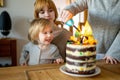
59	61
111	60
66	15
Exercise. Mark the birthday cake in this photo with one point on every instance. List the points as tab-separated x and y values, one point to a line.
81	53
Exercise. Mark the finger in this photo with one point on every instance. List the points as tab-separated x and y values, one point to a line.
111	61
63	15
115	61
60	61
66	15
118	61
65	18
107	61
55	61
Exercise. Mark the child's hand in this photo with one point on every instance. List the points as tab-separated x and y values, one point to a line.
24	64
59	60
66	15
111	60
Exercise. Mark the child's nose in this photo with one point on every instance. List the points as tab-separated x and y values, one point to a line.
46	13
49	34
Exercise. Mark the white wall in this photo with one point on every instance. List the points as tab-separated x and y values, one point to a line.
21	11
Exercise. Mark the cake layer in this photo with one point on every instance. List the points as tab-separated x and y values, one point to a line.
77	69
80	59
92	48
83	58
82	48
78	50
90	64
81	72
77	53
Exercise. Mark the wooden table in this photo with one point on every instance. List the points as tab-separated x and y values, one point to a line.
52	72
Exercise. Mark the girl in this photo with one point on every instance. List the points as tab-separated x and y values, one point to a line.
40	50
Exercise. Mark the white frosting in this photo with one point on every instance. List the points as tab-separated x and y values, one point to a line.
79	46
80	61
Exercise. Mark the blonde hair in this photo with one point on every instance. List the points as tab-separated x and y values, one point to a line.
40	4
37	25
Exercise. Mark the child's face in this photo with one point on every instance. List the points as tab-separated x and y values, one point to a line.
46	36
47	14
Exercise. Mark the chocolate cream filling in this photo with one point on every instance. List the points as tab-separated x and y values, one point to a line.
88	64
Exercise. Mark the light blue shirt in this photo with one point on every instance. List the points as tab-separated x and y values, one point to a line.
36	55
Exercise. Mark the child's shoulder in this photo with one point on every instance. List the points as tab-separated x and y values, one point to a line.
30	44
53	46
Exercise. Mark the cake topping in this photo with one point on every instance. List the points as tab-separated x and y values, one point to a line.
84	36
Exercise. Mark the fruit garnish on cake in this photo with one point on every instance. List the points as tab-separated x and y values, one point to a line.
84	36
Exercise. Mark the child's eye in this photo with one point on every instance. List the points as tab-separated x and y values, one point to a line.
45	33
50	10
51	31
42	12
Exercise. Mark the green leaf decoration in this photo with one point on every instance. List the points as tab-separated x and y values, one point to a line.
68	42
77	34
81	53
